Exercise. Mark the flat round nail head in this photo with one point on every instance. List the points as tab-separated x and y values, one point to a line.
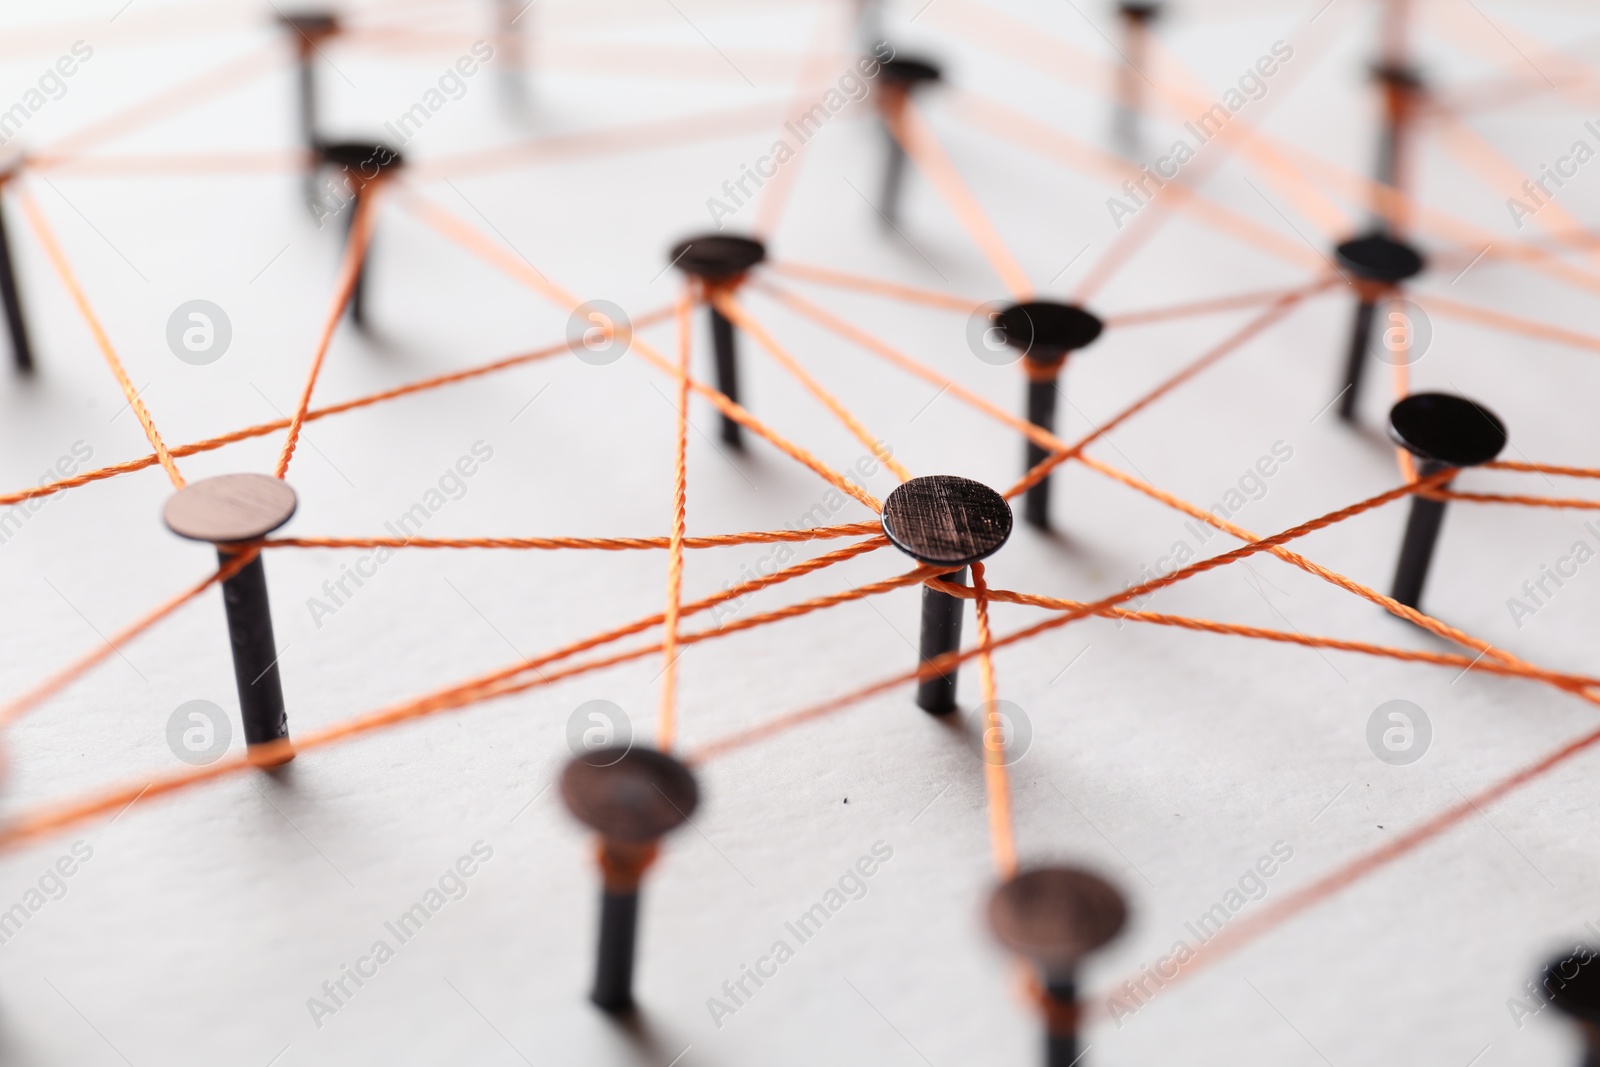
1447	429
1377	257
1573	986
1054	916
717	257
946	519
230	508
637	796
908	71
311	24
1045	331
369	158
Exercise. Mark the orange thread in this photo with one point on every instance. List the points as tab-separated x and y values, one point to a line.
58	259
819	57
666	727
772	437
262	429
996	119
490	251
1529	501
996	780
475	242
735	311
1509	323
50	819
19	707
1443	659
1200	307
175	163
1279	308
603	544
1237	935
1542	468
843	280
633	138
1389	604
194	92
944	663
916	137
355	252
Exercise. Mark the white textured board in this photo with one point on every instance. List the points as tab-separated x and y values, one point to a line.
215	925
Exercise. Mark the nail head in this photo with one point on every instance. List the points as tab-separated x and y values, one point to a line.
1054	916
1045	331
946	519
1577	996
1138	12
907	71
1378	257
635	797
312	24
230	508
1448	429
361	156
717	257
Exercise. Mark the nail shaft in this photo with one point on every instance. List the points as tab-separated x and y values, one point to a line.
307	76
894	170
724	345
255	652
1042	413
21	349
941	633
1061	1025
358	292
1356	360
613	975
1422	532
1130	89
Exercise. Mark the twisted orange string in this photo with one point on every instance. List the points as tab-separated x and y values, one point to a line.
355	252
1014	39
1560	679
1503	176
943	664
603	544
1195	308
771	436
188	163
49	819
820	55
1528	501
995	119
262	429
52	685
1510	323
843	280
1542	468
667	724
1236	935
1041	437
996	779
469	238
736	312
194	92
1389	604
1228	345
1244	136
637	137
916	137
58	259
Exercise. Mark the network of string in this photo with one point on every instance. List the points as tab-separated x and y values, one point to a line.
1320	189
